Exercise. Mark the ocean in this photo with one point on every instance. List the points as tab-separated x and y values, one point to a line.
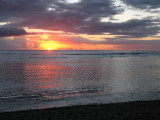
48	79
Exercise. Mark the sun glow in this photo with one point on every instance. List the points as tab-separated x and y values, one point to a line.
55	42
49	49
44	36
50	45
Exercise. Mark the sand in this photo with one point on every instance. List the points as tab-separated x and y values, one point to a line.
142	110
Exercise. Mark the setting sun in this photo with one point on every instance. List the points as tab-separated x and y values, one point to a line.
50	45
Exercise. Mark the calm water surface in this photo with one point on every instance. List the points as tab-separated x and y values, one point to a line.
44	79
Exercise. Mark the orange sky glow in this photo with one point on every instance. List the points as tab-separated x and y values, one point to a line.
39	39
58	40
47	40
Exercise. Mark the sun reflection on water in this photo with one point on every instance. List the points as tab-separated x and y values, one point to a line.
42	76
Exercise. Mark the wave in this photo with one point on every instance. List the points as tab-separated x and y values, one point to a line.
118	53
11	55
45	95
111	54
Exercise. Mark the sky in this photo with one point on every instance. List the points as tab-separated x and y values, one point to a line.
80	24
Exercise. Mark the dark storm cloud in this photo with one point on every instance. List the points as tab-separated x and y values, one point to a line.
143	4
81	17
132	28
27	8
11	31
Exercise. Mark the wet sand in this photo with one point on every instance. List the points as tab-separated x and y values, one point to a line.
142	110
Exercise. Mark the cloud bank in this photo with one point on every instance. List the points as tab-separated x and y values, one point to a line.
81	17
143	4
11	31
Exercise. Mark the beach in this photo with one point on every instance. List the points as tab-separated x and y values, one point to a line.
141	110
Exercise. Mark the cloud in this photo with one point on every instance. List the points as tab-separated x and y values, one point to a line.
13	43
143	4
133	28
114	41
139	45
55	14
82	17
34	42
11	31
118	44
121	41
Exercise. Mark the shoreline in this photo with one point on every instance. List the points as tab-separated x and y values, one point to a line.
138	110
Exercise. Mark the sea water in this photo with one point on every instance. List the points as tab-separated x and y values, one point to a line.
45	79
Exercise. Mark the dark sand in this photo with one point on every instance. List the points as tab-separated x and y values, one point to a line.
149	110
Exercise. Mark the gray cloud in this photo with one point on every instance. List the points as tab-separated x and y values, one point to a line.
82	17
133	28
125	42
143	4
11	31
